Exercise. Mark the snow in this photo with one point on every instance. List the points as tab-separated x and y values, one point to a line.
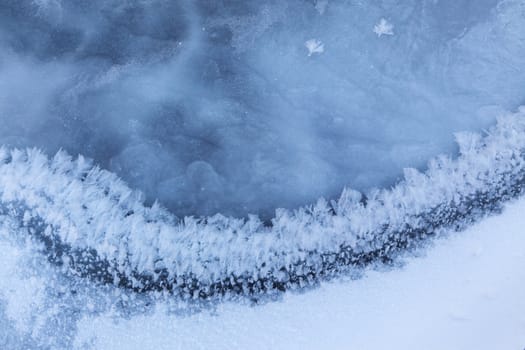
468	282
462	292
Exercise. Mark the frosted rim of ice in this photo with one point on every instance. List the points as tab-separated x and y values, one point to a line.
92	222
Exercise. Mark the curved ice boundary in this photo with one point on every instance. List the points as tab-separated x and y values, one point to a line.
97	227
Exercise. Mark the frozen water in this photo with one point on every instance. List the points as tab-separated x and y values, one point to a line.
244	106
218	106
464	293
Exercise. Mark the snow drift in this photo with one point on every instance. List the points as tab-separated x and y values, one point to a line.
97	227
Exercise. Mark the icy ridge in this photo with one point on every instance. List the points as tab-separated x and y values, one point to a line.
97	226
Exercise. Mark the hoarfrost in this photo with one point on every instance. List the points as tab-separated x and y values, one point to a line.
107	233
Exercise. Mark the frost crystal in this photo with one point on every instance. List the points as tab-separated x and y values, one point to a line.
384	28
314	46
103	229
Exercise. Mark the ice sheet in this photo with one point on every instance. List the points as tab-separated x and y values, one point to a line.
243	107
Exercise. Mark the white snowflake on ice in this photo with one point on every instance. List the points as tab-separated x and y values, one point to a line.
314	46
384	28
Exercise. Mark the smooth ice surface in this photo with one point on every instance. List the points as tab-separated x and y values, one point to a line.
463	292
245	106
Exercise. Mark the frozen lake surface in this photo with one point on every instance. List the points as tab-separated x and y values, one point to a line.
221	109
245	106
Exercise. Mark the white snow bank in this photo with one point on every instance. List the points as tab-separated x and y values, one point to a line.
104	231
466	293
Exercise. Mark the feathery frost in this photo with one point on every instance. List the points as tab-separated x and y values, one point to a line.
94	224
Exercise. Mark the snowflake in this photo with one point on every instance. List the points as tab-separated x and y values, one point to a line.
314	46
383	28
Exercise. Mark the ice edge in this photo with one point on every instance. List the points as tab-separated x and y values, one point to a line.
96	226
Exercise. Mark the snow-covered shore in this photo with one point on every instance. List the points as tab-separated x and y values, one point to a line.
464	292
